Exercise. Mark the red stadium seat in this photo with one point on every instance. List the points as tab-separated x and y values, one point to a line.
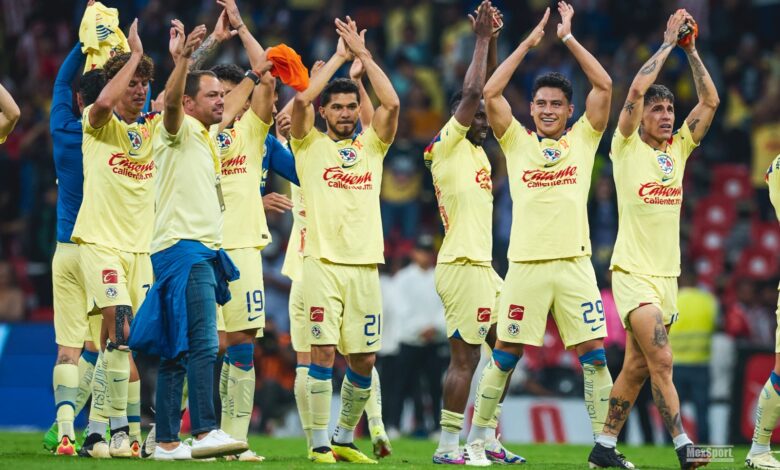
766	235
715	211
707	240
709	268
757	263
732	181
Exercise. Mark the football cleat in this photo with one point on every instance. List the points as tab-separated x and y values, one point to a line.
449	458
765	461
350	453
497	453
322	455
50	441
65	447
381	442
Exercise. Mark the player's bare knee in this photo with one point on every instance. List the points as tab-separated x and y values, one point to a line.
588	346
660	363
323	355
362	363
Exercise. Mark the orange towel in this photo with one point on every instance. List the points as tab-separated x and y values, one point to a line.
288	66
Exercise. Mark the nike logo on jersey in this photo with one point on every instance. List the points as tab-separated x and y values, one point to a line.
371	343
595	328
120	380
254	318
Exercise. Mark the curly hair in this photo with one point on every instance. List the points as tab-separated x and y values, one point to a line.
145	68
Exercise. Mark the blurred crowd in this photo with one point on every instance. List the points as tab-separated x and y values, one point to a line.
729	228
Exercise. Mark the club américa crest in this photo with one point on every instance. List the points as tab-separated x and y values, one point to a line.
348	156
551	155
224	141
135	139
666	164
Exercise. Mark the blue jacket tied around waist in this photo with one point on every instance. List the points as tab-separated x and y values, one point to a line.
160	326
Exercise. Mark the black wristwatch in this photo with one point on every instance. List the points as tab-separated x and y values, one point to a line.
251	74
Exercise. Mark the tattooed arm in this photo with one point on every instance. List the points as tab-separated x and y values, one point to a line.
701	116
222	32
631	114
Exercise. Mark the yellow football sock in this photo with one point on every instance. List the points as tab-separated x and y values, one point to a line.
493	424
489	391
66	388
241	394
451	424
320	392
374	403
117	375
302	401
353	402
98	412
86	369
598	385
767	413
224	373
134	410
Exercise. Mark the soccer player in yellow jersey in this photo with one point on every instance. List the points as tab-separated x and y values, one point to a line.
245	234
549	251
649	162
465	279
340	172
768	409
293	267
9	114
114	230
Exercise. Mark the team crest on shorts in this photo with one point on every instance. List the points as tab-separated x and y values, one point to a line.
348	156
316	331
483	331
135	139
666	163
513	329
551	155
224	141
111	292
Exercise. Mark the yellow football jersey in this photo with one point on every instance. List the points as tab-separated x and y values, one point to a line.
649	185
464	190
341	182
100	35
773	181
241	151
549	182
293	258
119	171
189	200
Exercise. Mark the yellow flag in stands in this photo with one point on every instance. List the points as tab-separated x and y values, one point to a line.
100	35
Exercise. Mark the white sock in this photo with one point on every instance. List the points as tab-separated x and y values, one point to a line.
343	435
480	432
319	438
448	441
757	449
607	441
681	440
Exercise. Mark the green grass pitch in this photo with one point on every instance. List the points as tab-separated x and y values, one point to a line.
24	451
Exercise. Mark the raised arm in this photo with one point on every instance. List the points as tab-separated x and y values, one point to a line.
254	51
631	114
474	81
385	121
101	111
181	50
356	72
597	104
700	118
302	116
62	97
498	111
221	33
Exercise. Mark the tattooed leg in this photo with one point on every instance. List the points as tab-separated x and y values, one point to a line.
626	388
652	336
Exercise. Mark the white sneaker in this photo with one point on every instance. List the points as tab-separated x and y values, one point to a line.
474	453
147	450
119	447
181	452
216	444
246	456
765	461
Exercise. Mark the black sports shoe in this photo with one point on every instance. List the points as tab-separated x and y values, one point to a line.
682	456
605	457
95	446
624	459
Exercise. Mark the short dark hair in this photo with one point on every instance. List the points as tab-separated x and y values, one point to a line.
553	80
658	92
337	86
90	85
229	72
192	86
145	68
